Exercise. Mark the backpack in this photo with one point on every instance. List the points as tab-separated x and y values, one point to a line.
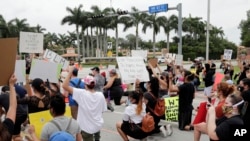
160	108
62	135
148	123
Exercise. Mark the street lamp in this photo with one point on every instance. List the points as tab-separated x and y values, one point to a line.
208	24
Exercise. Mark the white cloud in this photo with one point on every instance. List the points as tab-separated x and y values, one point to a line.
49	13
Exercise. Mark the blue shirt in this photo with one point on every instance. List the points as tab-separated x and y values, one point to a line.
73	83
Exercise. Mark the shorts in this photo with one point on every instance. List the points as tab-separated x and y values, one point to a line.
208	91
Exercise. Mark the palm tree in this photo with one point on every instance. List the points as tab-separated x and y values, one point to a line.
4	29
74	18
133	20
16	25
39	29
152	21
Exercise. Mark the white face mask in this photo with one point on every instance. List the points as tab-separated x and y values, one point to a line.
145	85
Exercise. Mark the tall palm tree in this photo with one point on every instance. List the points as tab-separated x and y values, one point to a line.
38	29
16	25
152	21
74	17
4	29
133	21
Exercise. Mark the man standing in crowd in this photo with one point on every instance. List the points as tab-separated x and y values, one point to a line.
100	80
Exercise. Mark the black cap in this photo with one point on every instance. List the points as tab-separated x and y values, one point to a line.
96	69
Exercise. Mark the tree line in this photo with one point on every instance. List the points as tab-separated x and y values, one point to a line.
92	32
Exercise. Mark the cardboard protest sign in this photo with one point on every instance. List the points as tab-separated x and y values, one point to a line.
178	60
54	57
39	119
132	68
45	70
227	54
140	53
8	51
153	62
170	57
31	42
172	105
20	70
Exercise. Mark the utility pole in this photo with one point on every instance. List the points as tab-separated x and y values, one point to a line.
208	28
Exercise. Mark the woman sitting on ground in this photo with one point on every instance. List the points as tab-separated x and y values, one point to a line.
132	118
223	90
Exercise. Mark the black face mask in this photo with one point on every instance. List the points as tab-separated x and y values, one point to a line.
240	88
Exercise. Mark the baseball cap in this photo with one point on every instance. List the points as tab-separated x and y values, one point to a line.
96	69
61	136
89	79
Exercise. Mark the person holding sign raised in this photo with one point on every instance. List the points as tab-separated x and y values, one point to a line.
186	93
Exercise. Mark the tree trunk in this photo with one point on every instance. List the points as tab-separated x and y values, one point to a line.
83	46
154	42
100	42
137	37
78	46
87	38
168	43
116	40
105	41
97	43
92	42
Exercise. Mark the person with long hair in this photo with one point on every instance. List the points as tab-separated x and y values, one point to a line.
7	126
91	105
150	99
186	93
223	90
221	129
132	118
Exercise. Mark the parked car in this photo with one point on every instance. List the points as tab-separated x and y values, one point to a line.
161	59
199	59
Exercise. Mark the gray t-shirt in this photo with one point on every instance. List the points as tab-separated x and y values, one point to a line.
100	81
63	121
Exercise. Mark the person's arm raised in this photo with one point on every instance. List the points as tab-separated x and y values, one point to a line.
11	114
66	85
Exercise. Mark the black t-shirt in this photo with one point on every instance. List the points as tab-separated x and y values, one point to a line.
9	124
4	101
186	95
225	125
246	117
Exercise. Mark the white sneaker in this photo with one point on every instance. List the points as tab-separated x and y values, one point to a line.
169	129
163	130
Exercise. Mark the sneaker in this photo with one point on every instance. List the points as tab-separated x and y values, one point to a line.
163	130
110	107
169	129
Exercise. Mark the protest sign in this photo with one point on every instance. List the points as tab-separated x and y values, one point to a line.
170	57
31	42
45	70
140	53
218	78
20	71
172	105
153	62
54	57
132	68
8	51
39	119
227	54
178	60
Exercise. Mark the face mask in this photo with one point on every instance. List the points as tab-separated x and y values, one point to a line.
145	85
240	88
227	109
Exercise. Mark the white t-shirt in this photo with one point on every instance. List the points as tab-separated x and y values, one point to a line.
130	113
90	109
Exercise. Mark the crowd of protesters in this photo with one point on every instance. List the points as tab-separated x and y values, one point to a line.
91	96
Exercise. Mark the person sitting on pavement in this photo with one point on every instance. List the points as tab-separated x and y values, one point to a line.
132	118
91	103
7	126
58	123
223	90
153	89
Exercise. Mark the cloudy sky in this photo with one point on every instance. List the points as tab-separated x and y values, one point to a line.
49	13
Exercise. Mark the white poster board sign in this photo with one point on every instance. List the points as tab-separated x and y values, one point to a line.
45	70
228	54
132	68
170	57
54	57
20	71
140	53
31	42
178	60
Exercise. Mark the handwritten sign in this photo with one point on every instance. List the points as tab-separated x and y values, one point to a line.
172	104
170	57
54	57
140	53
39	119
132	68
45	70
20	71
8	51
178	60
228	54
31	42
